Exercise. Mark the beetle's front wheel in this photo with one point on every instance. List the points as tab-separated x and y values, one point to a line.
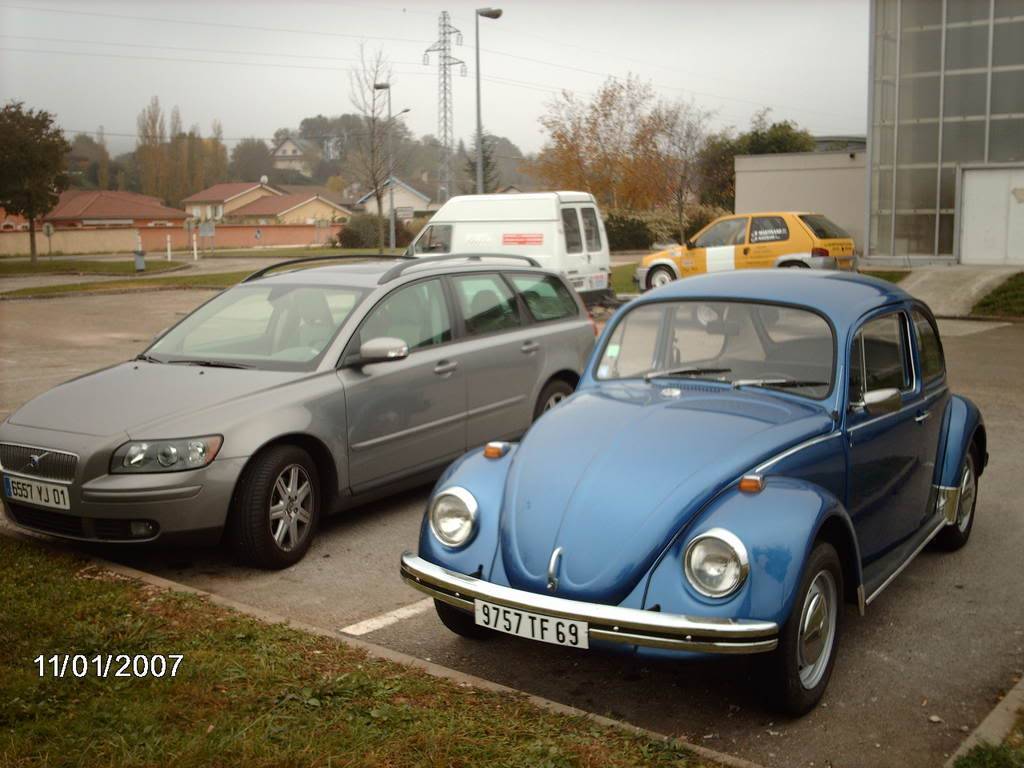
802	664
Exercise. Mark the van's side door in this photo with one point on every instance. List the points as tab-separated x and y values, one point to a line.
575	267
594	247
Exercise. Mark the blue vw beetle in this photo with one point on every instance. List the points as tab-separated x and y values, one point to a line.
744	451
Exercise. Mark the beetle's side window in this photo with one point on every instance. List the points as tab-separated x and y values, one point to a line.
880	357
932	362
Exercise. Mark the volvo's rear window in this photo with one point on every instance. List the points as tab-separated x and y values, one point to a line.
823	227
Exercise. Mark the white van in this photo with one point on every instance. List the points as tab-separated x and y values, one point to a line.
563	231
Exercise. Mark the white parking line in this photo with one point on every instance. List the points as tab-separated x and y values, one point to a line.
389	618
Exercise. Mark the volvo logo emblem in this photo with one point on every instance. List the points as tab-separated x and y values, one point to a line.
553	563
35	459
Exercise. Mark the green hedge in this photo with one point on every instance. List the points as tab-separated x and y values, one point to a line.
639	230
360	231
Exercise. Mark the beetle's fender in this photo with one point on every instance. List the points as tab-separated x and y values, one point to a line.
485	479
961	426
778	526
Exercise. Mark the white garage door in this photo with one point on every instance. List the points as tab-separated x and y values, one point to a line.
992	216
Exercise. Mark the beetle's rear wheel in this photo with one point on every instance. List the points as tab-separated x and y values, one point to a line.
952	537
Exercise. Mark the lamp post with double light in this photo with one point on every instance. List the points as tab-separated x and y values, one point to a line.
391	164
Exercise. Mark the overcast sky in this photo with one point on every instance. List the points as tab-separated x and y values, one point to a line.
259	66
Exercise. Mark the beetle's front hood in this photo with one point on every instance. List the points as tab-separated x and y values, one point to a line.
130	396
611	475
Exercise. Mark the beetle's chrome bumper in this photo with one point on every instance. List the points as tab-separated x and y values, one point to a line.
609	623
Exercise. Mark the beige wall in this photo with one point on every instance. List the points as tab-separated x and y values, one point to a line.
309	212
831	183
71	241
403	199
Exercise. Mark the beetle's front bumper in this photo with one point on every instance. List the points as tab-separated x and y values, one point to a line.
609	623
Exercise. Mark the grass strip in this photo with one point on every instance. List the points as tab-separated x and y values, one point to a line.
81	267
205	280
889	275
248	693
1009	754
1007	299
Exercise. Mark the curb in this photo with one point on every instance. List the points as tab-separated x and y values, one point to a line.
386	654
997	724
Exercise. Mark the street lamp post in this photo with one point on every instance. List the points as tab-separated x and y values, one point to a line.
391	170
487	13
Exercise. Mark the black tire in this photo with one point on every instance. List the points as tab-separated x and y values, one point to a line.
953	537
792	693
656	272
554	392
251	531
794	264
460	622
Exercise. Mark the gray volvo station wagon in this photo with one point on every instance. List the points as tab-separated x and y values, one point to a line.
293	395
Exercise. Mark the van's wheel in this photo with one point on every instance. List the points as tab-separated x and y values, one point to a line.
658	277
554	392
276	508
802	664
954	536
460	622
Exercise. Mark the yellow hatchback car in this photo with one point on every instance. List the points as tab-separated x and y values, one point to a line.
752	241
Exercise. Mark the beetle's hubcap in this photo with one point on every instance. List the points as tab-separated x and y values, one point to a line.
660	278
968	490
291	507
817	628
554	400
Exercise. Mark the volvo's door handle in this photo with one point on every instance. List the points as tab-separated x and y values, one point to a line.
746	251
529	347
445	367
923	417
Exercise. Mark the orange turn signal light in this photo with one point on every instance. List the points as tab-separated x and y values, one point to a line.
495	450
751	483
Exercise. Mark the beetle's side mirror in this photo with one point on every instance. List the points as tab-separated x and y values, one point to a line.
878	402
382	349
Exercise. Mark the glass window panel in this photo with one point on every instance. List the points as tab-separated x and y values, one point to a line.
487	304
881	190
918	143
416	314
881	234
919	97
946	234
947	187
884	108
1006	141
886	15
545	296
1007	92
885	356
885	56
917	13
1009	8
963	142
966	10
573	237
882	144
965	96
915	234
932	362
1008	44
966	47
915	188
921	52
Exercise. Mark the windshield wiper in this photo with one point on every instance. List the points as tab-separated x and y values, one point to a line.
209	363
778	383
683	372
147	358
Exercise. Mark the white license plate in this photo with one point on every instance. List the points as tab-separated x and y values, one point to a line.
532	626
599	281
36	493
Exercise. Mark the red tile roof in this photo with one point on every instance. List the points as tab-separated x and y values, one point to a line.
272	206
220	193
108	204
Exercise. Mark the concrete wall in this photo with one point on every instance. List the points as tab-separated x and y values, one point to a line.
831	183
69	241
403	199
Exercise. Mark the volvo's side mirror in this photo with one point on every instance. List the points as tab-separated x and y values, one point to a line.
383	349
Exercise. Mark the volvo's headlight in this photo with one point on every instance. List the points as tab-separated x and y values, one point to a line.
141	456
453	516
716	563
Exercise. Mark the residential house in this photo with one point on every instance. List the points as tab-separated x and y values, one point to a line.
112	208
302	208
12	222
408	199
295	154
216	202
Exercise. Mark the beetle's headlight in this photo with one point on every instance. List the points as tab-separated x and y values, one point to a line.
453	516
716	563
142	456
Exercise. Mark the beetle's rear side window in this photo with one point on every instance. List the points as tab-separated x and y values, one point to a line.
545	296
932	364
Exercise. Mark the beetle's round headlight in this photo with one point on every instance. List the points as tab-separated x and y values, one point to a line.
453	516
716	563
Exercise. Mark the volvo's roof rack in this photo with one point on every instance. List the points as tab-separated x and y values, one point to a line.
306	259
412	261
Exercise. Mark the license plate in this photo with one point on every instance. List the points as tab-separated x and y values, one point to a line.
599	281
36	493
532	626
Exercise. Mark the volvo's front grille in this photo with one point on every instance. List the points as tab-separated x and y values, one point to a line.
38	462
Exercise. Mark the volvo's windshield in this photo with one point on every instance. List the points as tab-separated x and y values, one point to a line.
743	343
274	327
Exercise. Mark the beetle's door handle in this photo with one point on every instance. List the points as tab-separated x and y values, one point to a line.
529	347
923	416
445	367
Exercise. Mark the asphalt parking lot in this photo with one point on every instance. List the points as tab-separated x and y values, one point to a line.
944	640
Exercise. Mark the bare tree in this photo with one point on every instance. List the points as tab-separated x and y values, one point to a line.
368	157
682	135
149	148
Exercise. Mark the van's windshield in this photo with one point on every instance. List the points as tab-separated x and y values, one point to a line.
436	239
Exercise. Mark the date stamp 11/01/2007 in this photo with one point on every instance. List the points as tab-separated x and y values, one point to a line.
108	665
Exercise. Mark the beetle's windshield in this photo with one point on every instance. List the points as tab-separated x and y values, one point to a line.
268	326
746	343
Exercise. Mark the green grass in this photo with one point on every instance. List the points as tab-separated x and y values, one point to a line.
248	693
622	278
1009	754
1007	299
179	281
76	267
890	275
296	253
